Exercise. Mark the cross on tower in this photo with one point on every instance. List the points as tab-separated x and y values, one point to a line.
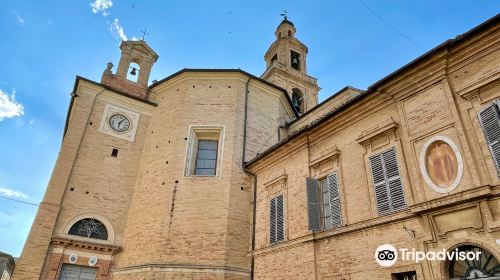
144	33
284	15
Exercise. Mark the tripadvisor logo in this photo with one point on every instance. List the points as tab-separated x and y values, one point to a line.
387	255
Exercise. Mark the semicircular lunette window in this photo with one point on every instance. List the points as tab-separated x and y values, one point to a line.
441	164
486	267
90	228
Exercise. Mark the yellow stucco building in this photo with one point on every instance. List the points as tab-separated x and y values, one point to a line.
219	174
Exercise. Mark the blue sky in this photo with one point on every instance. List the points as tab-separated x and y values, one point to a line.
44	44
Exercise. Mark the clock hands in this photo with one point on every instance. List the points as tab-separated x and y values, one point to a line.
120	122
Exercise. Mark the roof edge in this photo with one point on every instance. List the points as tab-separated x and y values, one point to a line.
228	70
73	96
318	106
372	88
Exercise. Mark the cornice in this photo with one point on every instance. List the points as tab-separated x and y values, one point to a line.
281	154
282	70
59	241
387	126
330	154
452	199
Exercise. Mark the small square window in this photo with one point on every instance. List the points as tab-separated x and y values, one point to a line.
114	152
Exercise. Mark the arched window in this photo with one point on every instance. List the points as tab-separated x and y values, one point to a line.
90	228
484	267
298	100
133	72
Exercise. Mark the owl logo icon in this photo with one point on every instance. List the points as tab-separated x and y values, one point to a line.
386	255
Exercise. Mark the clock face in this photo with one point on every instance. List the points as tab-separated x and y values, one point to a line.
119	123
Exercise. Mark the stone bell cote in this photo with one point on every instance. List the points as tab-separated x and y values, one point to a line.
134	68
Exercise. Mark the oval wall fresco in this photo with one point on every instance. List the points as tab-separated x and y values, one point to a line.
441	164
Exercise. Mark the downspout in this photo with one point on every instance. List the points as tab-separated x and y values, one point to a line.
254	177
245	124
254	215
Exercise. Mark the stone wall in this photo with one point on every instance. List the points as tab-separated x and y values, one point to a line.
440	96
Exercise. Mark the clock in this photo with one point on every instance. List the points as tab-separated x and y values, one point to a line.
119	123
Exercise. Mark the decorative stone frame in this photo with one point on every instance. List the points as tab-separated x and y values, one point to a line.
423	168
109	228
63	245
194	133
380	138
321	167
63	248
443	267
109	111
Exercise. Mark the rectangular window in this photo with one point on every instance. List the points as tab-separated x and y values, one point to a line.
204	151
410	275
276	220
323	198
206	157
490	121
389	195
76	272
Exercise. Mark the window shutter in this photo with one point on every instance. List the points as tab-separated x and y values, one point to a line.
280	228
490	121
396	194
276	220
313	205
333	187
272	221
381	192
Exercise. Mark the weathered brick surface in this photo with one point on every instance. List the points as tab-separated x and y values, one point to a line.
120	84
197	220
163	224
437	97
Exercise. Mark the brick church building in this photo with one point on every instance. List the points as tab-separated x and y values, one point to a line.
220	174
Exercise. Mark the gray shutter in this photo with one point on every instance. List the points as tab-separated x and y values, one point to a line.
272	221
280	227
490	121
333	187
313	205
380	188
396	193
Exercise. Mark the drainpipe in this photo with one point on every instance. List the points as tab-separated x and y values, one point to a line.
245	125
254	214
254	177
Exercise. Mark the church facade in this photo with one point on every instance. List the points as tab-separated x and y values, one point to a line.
219	174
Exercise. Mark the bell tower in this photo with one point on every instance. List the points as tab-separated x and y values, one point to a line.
286	67
134	68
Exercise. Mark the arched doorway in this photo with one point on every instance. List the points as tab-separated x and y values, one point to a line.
486	267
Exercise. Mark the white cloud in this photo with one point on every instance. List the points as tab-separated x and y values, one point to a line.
12	193
9	107
117	29
101	6
20	20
